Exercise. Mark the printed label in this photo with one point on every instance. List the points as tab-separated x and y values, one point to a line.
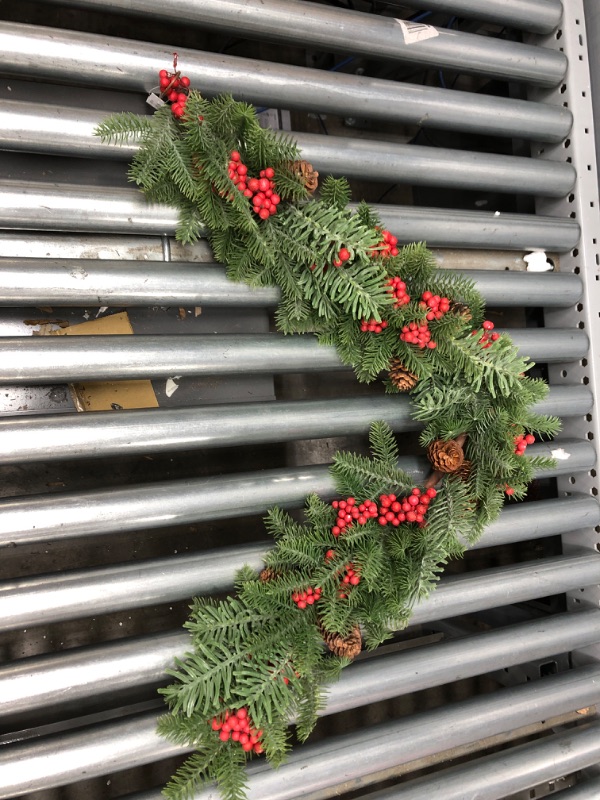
416	32
154	101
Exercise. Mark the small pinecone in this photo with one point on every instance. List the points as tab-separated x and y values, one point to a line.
445	456
460	309
464	471
268	574
345	646
307	174
402	378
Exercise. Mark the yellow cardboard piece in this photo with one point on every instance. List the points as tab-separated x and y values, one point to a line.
108	395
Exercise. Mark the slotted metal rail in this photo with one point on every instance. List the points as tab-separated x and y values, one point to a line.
110	521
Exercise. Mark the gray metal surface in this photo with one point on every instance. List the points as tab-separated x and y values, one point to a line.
338	30
329	768
584	259
586	790
43	599
104	433
537	16
80	514
69	207
116	667
37	360
81	282
497	776
34	128
88	59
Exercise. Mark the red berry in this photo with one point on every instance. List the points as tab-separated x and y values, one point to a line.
275	199
344	254
264	213
530	439
235	156
269	172
487	325
163	73
185	81
258	748
224	736
263	184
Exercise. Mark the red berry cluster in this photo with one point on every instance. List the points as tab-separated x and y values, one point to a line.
174	87
259	190
487	338
372	326
342	256
307	597
398	290
349	512
521	443
413	508
350	578
238	727
419	334
387	246
438	306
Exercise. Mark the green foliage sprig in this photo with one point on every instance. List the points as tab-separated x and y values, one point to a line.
260	654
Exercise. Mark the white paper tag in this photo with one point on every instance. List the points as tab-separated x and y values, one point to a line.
537	262
416	32
155	101
559	454
170	386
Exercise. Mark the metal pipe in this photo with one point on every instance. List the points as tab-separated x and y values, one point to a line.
67	515
57	130
499	775
340	30
537	16
68	207
80	282
322	769
43	599
443	227
79	593
102	433
28	360
506	585
83	58
100	671
435	166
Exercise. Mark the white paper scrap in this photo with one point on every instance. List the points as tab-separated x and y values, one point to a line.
537	262
560	454
101	311
171	387
154	100
416	32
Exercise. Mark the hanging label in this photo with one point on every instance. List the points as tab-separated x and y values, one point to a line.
416	32
154	100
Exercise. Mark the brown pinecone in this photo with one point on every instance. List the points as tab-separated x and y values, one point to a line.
306	173
268	574
464	471
402	378
346	646
445	456
462	310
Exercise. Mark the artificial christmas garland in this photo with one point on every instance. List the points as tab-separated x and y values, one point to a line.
350	574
